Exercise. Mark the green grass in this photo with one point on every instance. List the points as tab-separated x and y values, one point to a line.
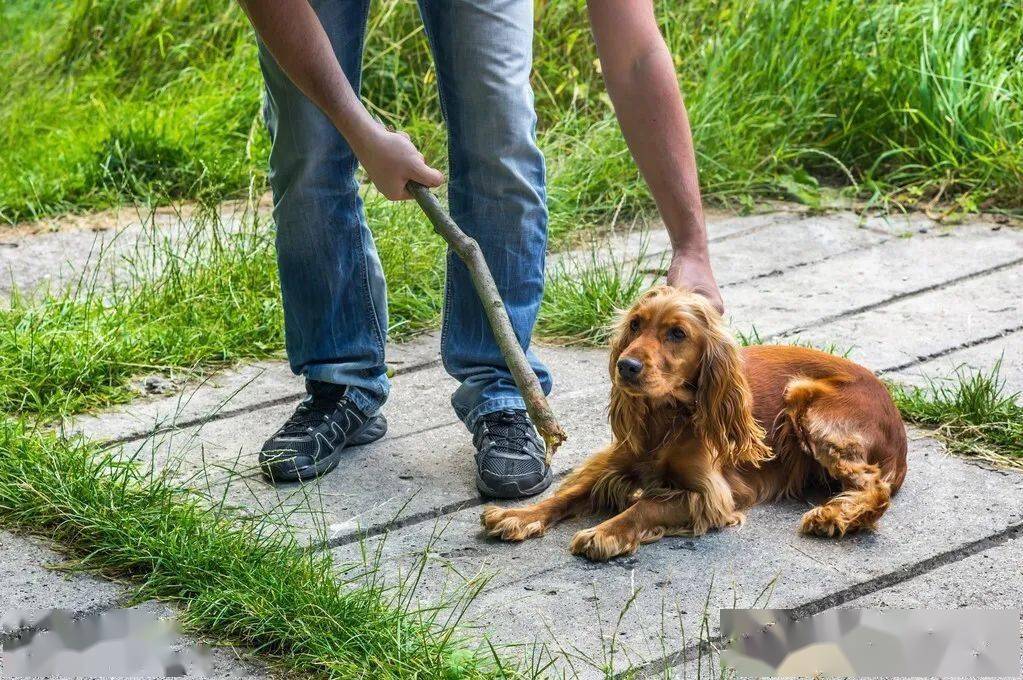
237	580
973	414
210	300
582	299
109	101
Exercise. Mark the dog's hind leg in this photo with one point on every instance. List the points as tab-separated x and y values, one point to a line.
865	494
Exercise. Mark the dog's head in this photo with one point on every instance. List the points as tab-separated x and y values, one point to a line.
671	350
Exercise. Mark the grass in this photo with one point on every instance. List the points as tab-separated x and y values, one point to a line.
236	580
972	413
583	298
894	100
208	299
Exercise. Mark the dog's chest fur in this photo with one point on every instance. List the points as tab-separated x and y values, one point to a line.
668	462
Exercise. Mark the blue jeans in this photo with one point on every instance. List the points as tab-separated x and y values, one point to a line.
335	299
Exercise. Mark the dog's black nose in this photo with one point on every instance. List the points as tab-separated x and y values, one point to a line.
629	368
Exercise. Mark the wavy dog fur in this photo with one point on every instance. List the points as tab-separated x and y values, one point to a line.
703	430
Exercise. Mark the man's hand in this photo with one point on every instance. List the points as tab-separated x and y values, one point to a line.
693	271
640	77
391	160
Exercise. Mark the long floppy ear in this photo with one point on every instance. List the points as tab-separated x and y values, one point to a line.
724	403
626	415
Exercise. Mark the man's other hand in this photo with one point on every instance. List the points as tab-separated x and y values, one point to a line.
693	271
391	160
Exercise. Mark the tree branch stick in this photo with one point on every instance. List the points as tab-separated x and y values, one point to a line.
470	253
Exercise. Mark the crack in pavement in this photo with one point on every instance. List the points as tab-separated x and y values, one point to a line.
967	344
657	667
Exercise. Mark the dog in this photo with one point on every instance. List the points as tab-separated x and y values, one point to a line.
704	430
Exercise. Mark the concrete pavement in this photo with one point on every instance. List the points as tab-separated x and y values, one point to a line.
908	298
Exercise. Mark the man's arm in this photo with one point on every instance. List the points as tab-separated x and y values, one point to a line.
292	32
641	80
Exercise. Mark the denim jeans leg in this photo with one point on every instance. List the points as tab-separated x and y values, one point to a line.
335	300
483	52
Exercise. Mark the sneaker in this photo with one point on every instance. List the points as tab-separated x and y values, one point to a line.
310	443
510	456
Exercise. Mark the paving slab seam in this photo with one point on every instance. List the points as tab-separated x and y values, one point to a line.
242	410
1000	335
657	667
412	520
780	335
716	239
807	263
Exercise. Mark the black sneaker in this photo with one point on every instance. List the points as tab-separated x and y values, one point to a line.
310	443
510	461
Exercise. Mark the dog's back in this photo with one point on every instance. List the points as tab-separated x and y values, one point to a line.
827	419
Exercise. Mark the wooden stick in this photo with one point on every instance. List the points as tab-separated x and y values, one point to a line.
470	253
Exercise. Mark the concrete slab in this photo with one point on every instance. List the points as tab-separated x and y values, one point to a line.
790	244
627	240
541	592
26	585
813	295
793	240
429	456
895	336
57	252
989	579
250	387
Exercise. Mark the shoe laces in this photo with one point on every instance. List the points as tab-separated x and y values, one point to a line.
509	430
310	412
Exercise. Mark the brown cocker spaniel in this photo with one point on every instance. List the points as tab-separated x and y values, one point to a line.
703	430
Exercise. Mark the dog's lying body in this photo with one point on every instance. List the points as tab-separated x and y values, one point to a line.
704	430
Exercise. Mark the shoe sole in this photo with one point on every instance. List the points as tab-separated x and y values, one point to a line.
371	431
512	490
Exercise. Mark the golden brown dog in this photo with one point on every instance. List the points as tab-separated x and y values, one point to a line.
704	430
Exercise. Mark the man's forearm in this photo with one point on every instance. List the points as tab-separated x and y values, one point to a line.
641	81
294	36
656	127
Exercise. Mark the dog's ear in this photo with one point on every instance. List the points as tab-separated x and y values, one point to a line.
724	403
626	415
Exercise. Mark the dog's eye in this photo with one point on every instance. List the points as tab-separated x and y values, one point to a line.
634	325
676	334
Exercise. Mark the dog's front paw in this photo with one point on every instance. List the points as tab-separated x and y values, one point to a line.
512	524
602	543
824	520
